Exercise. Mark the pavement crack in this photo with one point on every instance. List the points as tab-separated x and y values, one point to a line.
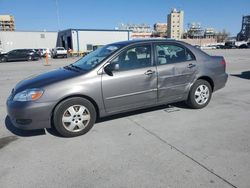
182	153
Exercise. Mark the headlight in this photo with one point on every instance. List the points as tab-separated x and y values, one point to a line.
28	95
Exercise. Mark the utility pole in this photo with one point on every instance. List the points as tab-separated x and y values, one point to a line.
57	13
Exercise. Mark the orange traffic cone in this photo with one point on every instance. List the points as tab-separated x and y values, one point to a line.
46	59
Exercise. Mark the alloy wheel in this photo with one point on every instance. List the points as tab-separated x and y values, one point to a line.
201	94
76	118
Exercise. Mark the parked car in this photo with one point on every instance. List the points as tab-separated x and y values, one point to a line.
59	52
20	55
243	46
230	45
220	46
118	77
197	46
209	47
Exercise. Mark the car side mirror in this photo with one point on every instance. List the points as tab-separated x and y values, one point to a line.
108	70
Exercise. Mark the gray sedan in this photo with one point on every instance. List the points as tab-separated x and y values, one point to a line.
116	78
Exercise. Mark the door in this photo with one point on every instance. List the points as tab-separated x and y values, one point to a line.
177	69
23	54
134	80
12	55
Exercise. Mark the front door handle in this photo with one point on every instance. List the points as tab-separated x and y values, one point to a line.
149	72
191	65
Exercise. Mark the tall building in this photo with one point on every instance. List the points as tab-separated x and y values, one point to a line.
7	23
244	34
175	24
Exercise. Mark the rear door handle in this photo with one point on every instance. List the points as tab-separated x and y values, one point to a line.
191	65
149	72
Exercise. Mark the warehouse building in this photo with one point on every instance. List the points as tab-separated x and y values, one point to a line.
79	40
85	40
10	40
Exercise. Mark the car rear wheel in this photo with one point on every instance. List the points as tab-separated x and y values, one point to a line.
199	95
74	117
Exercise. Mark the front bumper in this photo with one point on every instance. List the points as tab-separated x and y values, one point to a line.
30	115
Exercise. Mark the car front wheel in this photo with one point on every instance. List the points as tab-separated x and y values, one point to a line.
74	117
3	59
200	94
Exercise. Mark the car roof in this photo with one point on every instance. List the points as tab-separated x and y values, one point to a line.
195	50
135	41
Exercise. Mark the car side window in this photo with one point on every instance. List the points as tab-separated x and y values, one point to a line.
13	52
168	53
133	58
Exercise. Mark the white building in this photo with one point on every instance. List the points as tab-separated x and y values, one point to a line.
175	24
10	40
84	40
79	40
138	30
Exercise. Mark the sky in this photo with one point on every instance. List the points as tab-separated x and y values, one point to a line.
107	14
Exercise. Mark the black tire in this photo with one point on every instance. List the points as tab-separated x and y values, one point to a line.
60	110
29	58
3	59
192	98
66	56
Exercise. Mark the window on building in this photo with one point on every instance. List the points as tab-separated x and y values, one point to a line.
42	36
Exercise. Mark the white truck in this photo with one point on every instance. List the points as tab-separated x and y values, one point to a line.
59	52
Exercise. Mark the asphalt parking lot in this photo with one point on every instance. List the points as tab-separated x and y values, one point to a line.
169	146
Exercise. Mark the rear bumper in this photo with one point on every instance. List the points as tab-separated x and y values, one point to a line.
30	115
220	81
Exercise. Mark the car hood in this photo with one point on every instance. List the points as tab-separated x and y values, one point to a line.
42	80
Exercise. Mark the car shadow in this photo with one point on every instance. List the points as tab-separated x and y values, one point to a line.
243	75
167	108
20	132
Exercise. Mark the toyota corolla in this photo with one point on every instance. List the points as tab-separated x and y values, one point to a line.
116	78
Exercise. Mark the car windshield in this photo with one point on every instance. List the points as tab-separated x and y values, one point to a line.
93	59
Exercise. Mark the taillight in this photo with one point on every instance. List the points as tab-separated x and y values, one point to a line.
223	62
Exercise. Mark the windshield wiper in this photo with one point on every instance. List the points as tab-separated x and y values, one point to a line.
76	67
71	68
